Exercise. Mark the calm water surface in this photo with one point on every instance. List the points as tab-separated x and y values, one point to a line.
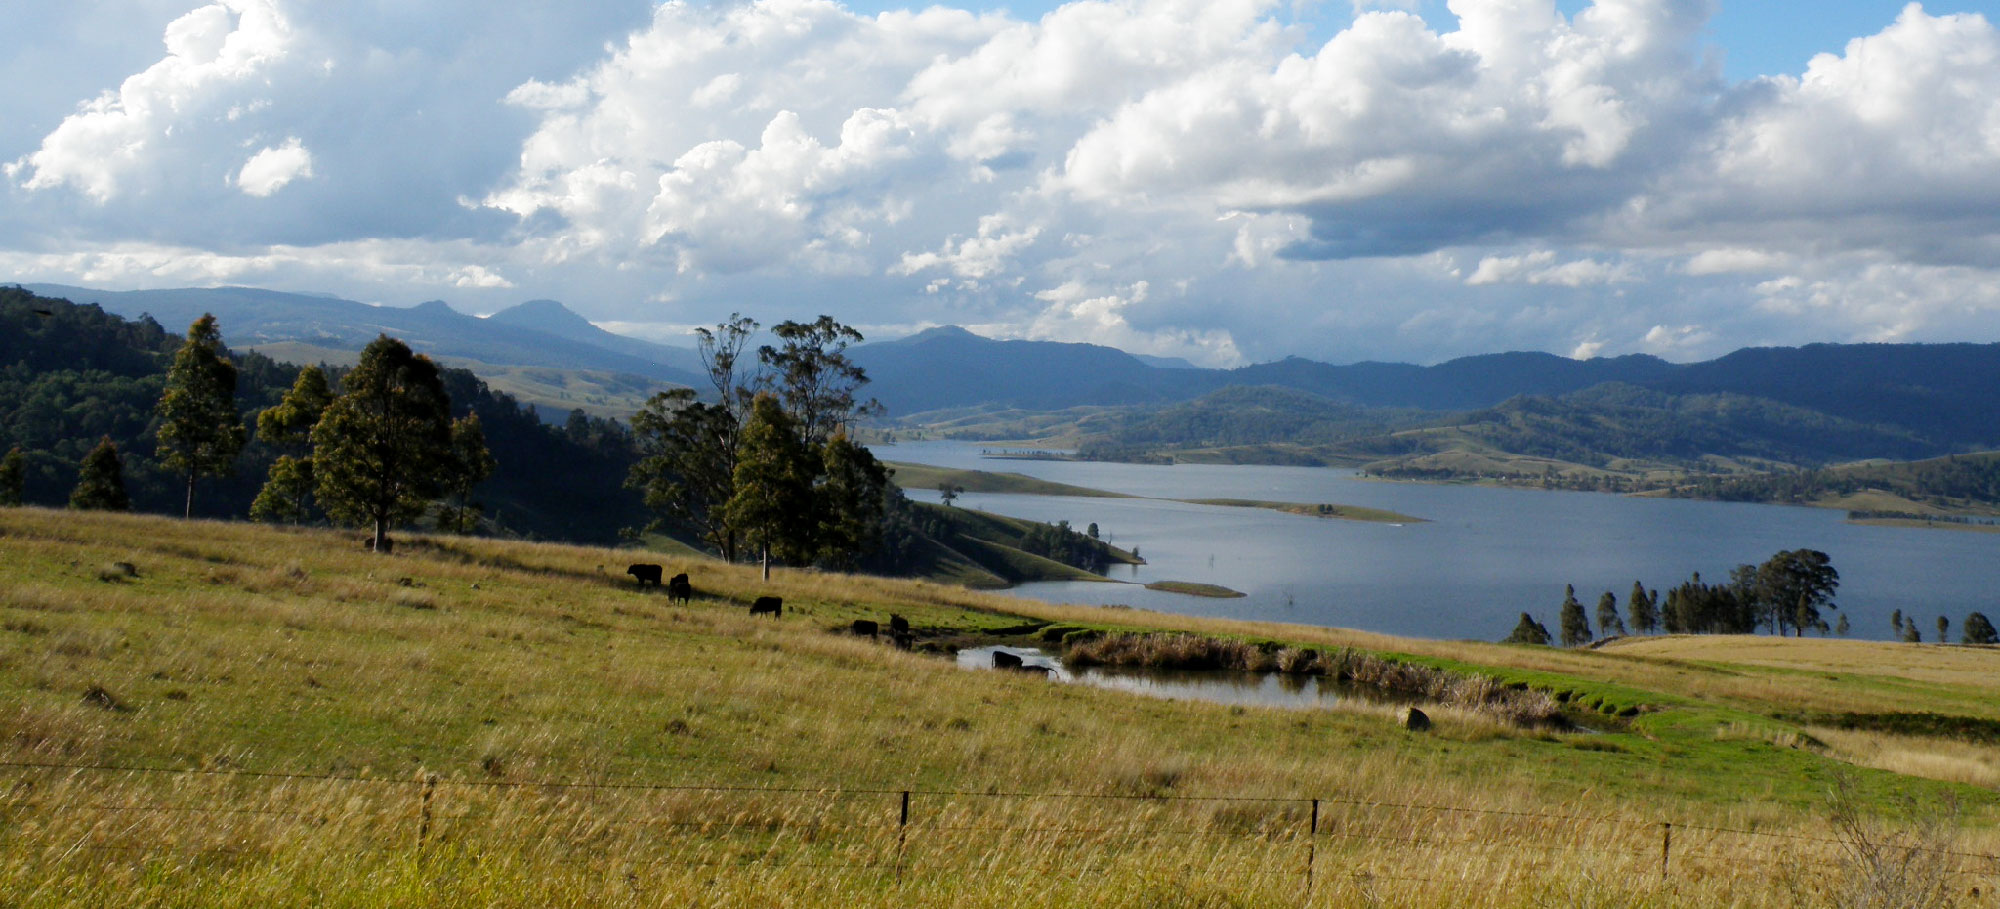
1484	556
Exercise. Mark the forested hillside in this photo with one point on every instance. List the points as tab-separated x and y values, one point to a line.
1593	427
70	375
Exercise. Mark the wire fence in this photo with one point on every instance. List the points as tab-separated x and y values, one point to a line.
55	811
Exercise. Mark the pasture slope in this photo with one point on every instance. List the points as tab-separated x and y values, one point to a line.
223	714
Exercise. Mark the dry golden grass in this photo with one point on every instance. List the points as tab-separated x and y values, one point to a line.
1974	667
1971	763
514	671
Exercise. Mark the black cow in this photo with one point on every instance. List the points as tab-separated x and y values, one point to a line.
899	624
678	589
645	574
1004	660
773	606
866	626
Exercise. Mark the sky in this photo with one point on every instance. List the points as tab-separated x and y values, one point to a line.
1228	181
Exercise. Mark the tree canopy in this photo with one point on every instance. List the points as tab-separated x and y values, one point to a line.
772	503
1527	631
767	462
100	480
1793	586
382	451
1978	629
13	476
201	431
1575	626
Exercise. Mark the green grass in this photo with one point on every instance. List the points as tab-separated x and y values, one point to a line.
503	666
982	549
1195	589
927	477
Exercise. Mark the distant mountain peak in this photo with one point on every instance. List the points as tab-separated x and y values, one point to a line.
942	333
547	315
436	308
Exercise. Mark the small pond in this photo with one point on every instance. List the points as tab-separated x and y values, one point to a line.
1244	689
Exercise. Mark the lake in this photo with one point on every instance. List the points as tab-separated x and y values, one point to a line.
1485	555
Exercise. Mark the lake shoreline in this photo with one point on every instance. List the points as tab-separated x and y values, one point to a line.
1485	555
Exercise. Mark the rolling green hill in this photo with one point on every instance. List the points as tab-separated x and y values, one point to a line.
983	550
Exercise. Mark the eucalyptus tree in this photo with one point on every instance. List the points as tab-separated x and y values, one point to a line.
1644	608
100	481
814	378
1608	622
1575	626
287	426
382	450
1978	629
201	431
13	476
471	463
773	501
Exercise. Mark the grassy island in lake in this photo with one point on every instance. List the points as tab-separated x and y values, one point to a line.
1194	589
1343	512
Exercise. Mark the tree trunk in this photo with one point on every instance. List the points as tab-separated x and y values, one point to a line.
767	562
189	512
382	543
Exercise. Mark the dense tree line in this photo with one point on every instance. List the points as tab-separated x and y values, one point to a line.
1061	543
1786	594
73	378
1947	481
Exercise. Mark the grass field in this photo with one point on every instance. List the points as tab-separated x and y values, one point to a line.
252	717
927	477
1196	589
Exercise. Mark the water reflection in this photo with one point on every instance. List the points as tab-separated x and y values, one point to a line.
1294	691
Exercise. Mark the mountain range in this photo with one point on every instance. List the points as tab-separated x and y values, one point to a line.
537	333
1928	397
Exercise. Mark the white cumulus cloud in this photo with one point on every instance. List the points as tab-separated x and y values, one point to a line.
213	53
270	169
1204	178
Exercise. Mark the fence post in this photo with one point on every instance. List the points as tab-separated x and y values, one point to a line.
902	835
1312	848
424	810
1666	847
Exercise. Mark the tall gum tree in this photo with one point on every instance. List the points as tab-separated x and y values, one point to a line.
382	451
201	431
287	492
773	502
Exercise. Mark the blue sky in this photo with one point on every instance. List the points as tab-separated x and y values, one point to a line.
1194	178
